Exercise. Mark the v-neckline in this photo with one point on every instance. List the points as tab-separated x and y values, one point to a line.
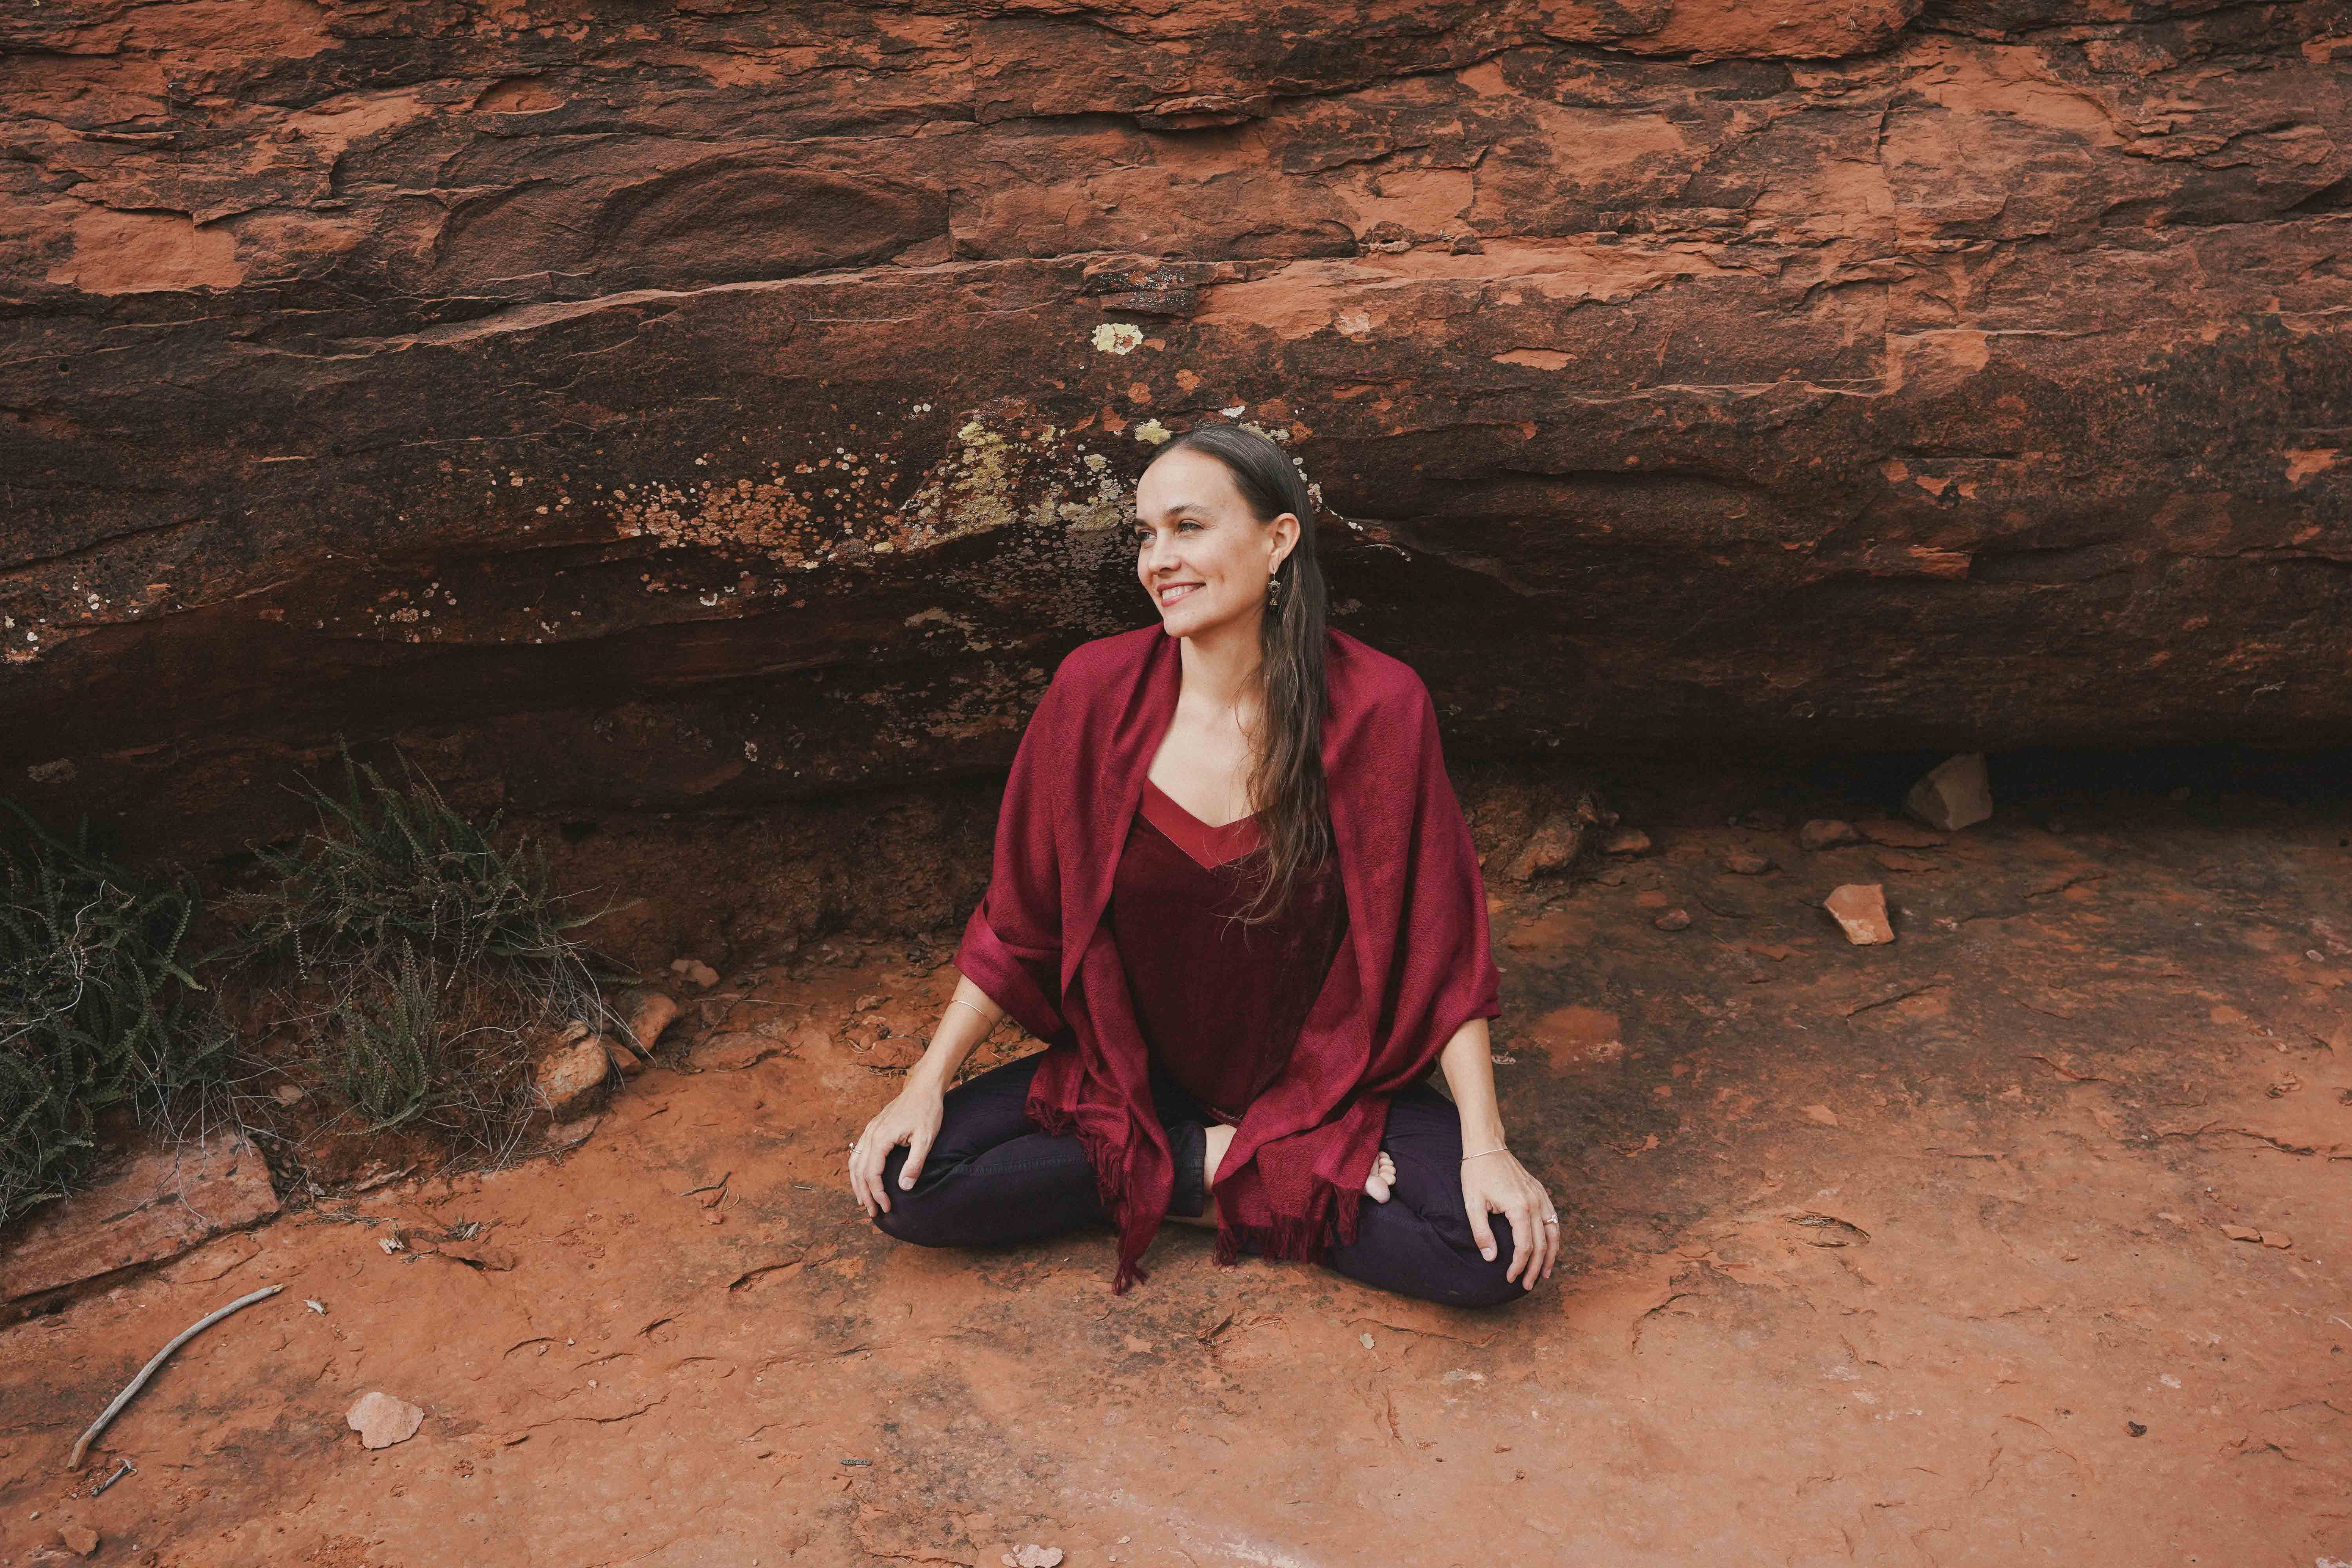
1207	844
1206	827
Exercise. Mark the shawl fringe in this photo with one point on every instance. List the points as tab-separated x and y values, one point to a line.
1111	1184
1331	1220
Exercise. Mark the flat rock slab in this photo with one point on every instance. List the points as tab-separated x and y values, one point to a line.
381	1420
158	1204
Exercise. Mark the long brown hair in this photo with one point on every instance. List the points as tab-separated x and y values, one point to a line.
1286	780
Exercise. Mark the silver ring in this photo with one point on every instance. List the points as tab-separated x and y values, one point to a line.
1551	1219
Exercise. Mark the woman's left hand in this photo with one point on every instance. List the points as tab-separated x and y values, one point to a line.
1499	1183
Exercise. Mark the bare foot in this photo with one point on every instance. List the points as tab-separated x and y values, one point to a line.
1377	1186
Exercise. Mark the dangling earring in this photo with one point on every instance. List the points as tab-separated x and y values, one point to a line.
1274	592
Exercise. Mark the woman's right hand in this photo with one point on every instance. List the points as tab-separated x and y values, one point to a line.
913	1119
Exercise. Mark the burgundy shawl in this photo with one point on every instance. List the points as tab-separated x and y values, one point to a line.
1414	968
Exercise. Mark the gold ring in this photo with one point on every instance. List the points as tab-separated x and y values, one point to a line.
1551	1219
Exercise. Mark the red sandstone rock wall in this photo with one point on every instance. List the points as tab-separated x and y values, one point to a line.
696	403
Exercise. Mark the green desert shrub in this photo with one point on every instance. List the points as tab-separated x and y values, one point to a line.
97	1010
415	957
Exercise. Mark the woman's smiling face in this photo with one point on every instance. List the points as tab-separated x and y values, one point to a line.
1200	554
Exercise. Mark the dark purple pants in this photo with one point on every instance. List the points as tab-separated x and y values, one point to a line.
994	1177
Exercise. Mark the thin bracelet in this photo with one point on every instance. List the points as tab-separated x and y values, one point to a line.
1483	1154
960	1002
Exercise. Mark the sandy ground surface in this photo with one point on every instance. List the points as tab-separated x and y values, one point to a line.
2021	1240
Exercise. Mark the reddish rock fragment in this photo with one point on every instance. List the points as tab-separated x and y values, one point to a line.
381	1420
1954	795
1626	841
158	1204
645	1013
1900	835
570	1078
1827	833
1746	863
1860	909
1674	920
1896	860
622	1057
1553	847
734	1051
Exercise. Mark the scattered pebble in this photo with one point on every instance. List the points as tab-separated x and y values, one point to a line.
1674	920
1827	833
1034	1557
1626	841
1859	911
570	1078
645	1013
79	1539
1553	847
694	969
289	1094
1901	860
624	1056
1899	834
381	1420
1746	863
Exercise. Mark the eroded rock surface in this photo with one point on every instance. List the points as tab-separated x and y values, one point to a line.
159	1202
701	406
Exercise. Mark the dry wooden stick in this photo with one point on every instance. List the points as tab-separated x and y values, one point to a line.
148	1370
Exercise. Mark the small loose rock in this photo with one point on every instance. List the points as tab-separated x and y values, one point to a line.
1954	795
1626	841
645	1013
1827	833
1903	860
1674	920
1553	847
381	1420
1899	834
1746	863
570	1078
1859	911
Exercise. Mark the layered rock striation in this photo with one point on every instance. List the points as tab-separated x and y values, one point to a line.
722	401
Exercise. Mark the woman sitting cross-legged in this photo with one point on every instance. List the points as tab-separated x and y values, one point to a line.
1234	894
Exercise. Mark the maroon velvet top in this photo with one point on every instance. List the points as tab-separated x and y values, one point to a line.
1220	1004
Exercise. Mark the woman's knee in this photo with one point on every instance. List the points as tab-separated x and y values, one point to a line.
910	1216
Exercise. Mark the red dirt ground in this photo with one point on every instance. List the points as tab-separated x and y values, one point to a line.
1915	1253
